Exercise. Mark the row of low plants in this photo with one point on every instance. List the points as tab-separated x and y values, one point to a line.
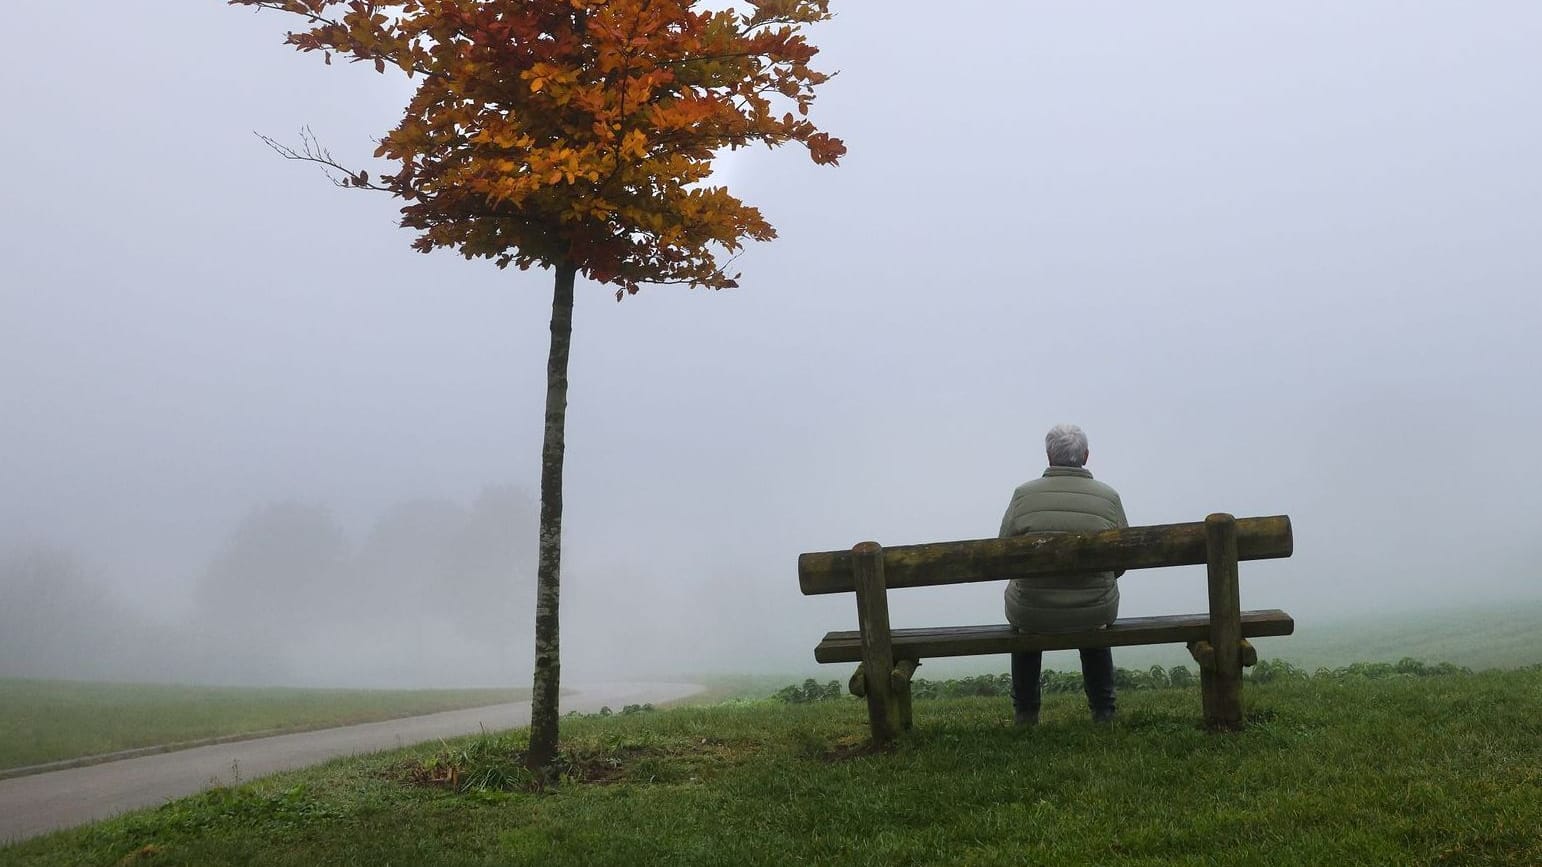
1276	670
1155	677
628	710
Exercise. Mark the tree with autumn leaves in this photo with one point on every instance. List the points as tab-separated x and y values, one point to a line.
575	135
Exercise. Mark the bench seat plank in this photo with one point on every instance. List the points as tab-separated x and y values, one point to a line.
846	646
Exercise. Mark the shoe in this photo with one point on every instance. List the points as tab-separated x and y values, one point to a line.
1025	718
1103	717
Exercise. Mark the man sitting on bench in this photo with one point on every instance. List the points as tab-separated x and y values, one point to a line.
1067	499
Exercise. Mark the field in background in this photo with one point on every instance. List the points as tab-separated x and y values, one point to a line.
1426	770
42	721
48	720
1478	638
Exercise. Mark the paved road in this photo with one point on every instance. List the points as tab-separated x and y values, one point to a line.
45	802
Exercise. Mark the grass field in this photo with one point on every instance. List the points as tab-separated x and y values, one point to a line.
1399	771
1498	636
1494	637
47	720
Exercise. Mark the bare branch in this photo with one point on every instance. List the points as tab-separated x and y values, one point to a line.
311	151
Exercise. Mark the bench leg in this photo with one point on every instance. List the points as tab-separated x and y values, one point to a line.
899	685
883	712
1223	688
883	707
904	669
1225	712
1222	698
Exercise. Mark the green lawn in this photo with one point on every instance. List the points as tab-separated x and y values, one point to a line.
1398	771
47	720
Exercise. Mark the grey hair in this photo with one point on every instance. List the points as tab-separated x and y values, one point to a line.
1066	445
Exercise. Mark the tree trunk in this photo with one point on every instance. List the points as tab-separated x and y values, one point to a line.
548	667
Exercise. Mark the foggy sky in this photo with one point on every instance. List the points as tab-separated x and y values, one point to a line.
1273	260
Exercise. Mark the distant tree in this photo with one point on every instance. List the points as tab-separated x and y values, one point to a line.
574	135
438	562
495	554
405	559
275	578
55	619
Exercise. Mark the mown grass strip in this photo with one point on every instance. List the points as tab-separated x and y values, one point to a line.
46	721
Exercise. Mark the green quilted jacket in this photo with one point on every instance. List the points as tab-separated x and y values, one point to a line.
1067	499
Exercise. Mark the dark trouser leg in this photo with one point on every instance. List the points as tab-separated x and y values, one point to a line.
1098	680
1025	681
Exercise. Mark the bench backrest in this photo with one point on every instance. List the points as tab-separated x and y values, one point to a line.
1033	554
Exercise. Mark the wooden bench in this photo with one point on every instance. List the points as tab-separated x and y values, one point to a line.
888	657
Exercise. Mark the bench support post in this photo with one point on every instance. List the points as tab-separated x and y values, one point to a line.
883	711
1221	682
